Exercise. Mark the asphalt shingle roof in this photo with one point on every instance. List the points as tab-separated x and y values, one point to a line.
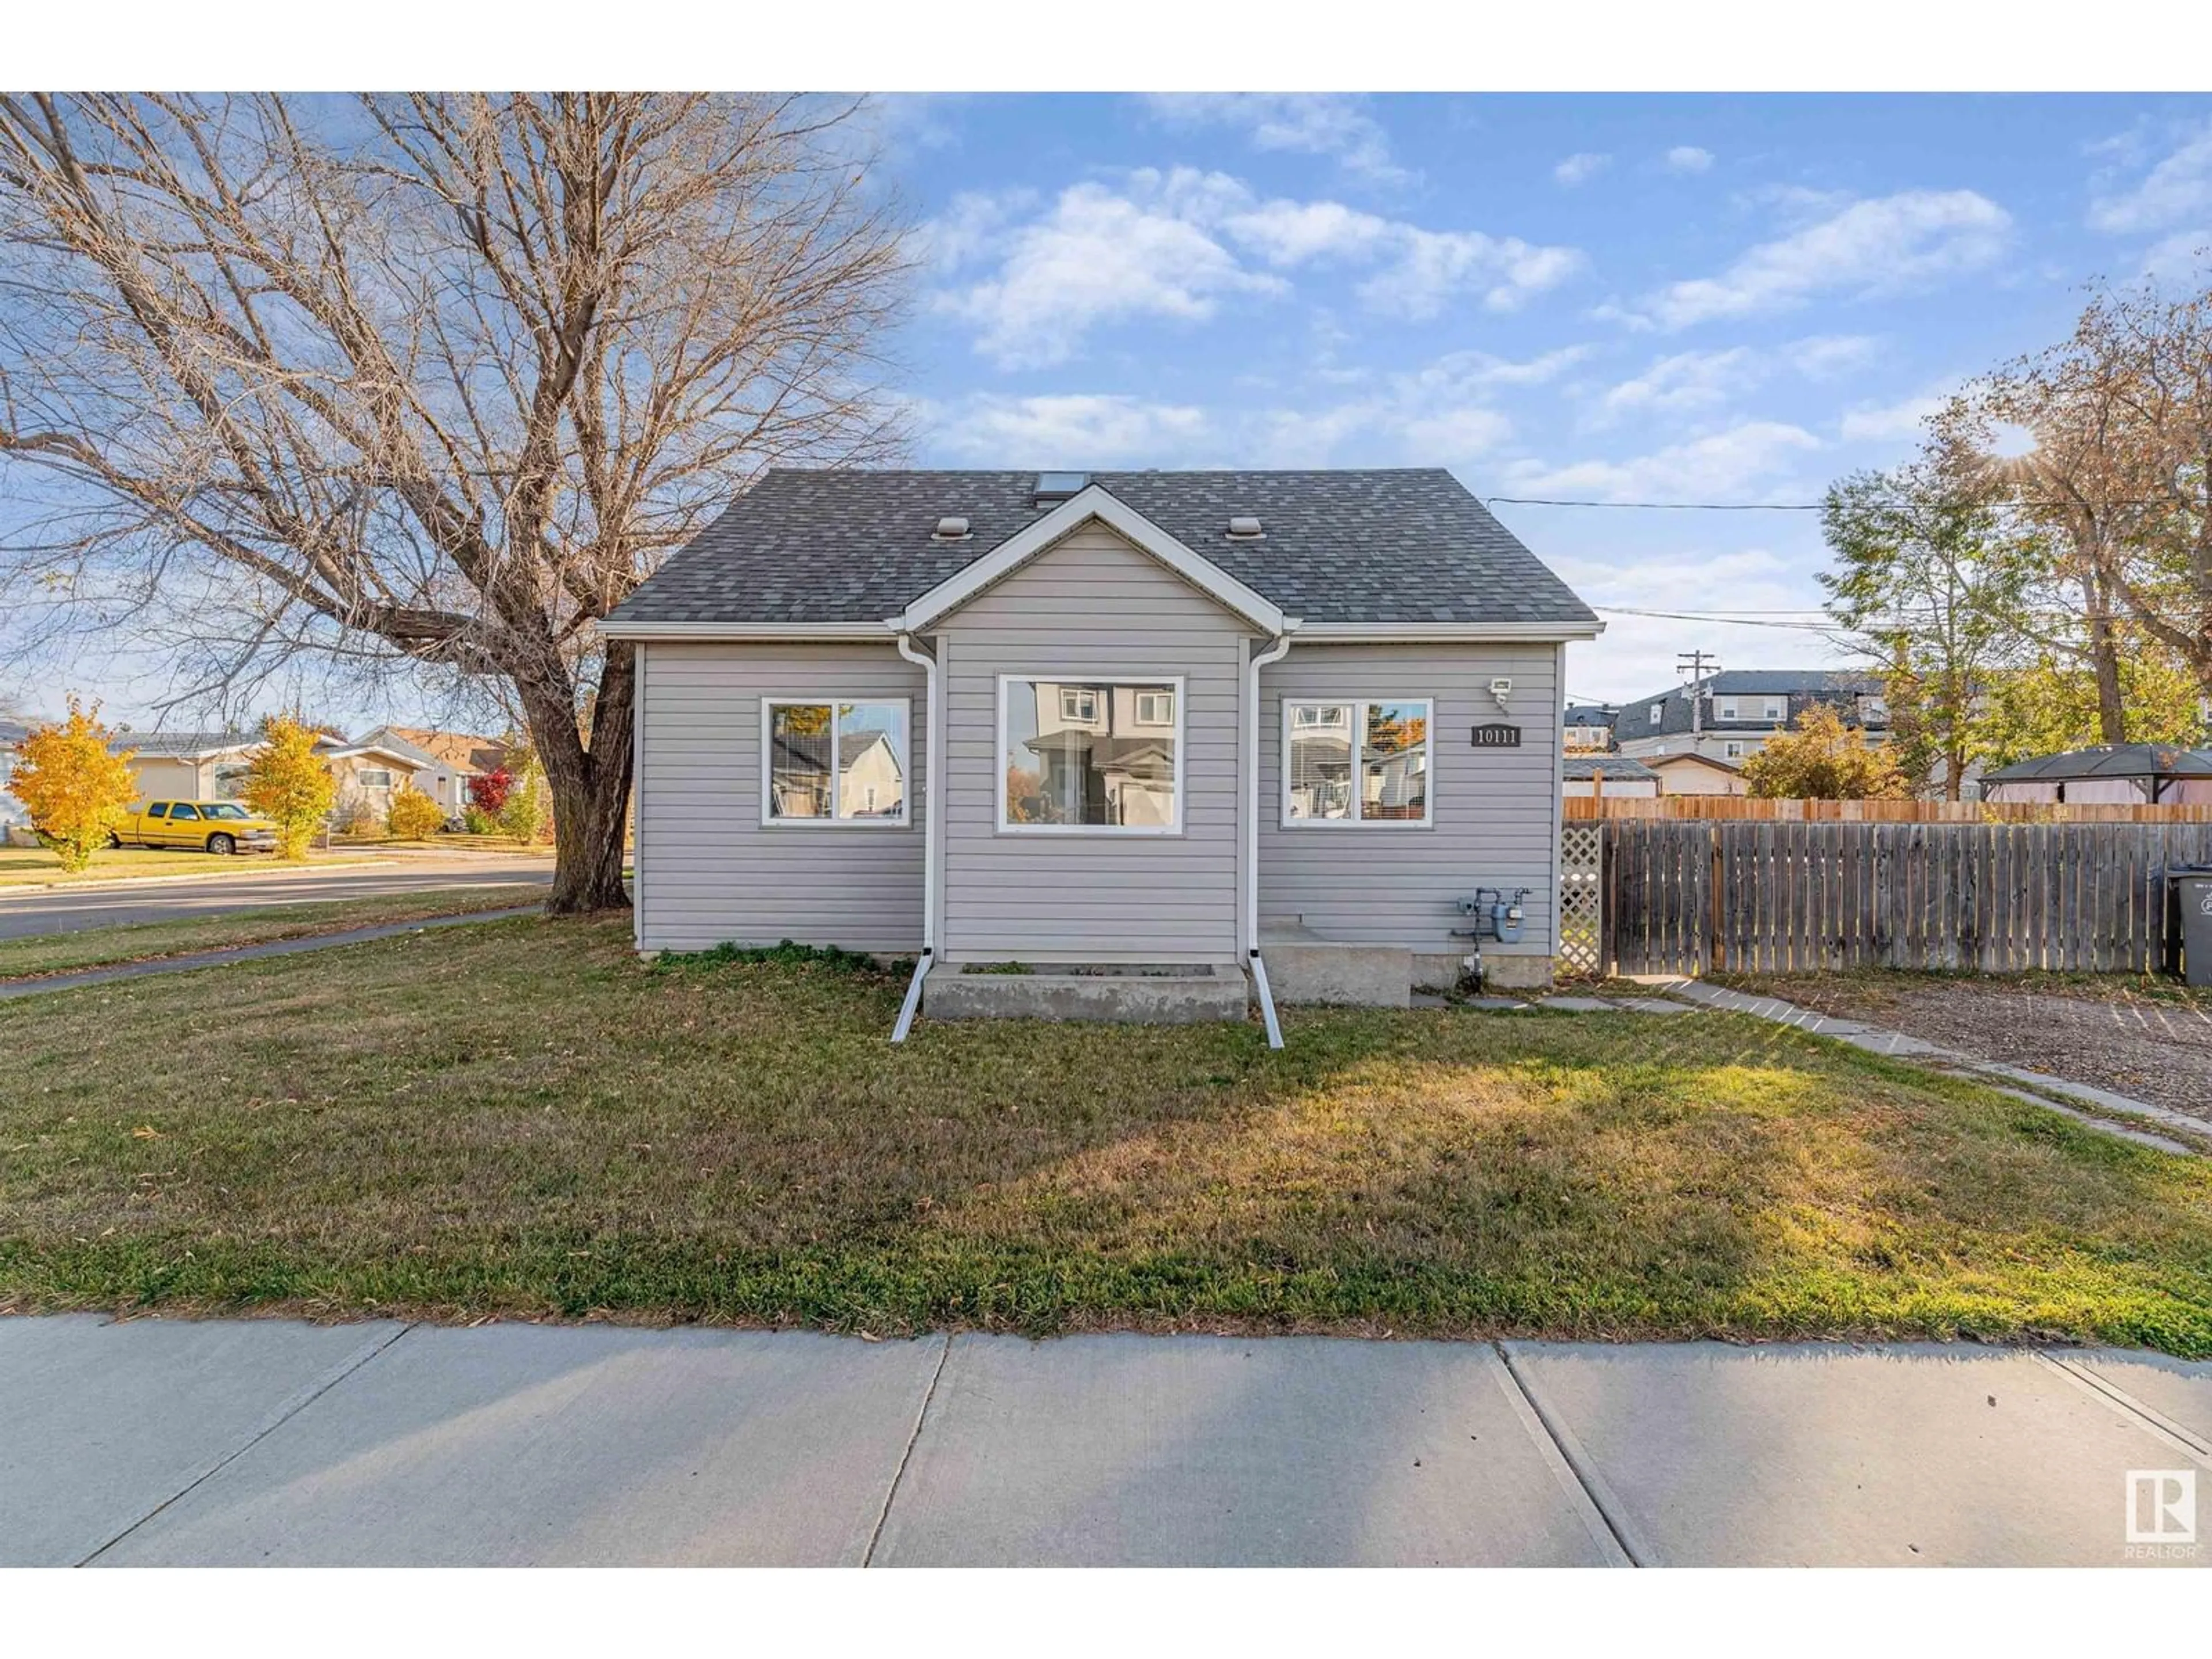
2123	760
1581	768
183	745
1403	545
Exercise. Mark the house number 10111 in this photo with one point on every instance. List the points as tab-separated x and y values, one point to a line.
1497	735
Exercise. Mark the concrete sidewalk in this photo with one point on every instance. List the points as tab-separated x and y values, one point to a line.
174	1443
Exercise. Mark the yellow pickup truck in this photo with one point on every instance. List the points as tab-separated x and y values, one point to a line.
217	826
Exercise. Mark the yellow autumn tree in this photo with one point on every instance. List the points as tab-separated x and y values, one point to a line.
1822	759
289	784
74	787
413	815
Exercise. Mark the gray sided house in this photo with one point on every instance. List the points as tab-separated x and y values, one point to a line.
1200	722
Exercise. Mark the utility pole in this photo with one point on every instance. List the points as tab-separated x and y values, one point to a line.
1691	665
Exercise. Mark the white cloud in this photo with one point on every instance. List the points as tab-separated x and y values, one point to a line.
1901	421
1070	429
1823	356
1893	242
1636	656
1723	465
966	228
1688	158
1682	384
1174	244
1095	257
1691	382
2181	257
1309	124
1580	168
2175	192
1434	266
1285	232
1443	413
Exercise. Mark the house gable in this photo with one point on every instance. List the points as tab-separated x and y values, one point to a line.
1092	504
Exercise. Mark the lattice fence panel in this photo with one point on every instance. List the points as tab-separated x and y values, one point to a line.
1582	901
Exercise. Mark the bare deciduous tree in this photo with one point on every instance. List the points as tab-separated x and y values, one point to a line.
437	377
2119	470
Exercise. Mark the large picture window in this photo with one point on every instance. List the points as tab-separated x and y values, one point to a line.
833	762
1089	756
1360	761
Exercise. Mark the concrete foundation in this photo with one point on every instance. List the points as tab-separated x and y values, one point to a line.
1501	973
1365	975
1178	996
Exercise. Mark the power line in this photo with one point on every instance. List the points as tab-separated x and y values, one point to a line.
1719	619
1778	506
1665	507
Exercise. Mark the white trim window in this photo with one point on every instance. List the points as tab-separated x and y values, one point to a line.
1387	786
374	777
1658	716
1090	757
834	765
1732	749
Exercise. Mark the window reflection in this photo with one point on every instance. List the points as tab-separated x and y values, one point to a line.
1394	762
1090	753
843	761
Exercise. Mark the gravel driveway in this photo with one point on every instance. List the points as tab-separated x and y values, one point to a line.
2154	1047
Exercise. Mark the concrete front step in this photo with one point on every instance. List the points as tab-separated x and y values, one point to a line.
1176	996
1312	970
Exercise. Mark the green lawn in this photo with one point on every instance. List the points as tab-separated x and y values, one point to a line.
34	866
99	947
519	1119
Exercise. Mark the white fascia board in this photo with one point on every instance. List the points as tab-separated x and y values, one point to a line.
354	752
1381	633
747	630
1093	502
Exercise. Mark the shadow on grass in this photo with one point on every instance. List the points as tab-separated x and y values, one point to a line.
520	1119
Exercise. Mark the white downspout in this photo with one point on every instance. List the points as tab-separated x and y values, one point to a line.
931	798
1274	653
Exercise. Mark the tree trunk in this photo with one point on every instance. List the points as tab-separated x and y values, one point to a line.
2104	660
590	781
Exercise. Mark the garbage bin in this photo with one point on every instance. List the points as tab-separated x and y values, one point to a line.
2192	893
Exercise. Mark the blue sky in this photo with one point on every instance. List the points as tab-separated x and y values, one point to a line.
1645	298
1680	298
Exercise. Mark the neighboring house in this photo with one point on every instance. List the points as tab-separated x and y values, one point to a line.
1121	718
1728	716
212	766
1688	774
1587	729
2128	774
444	761
1607	775
187	765
14	726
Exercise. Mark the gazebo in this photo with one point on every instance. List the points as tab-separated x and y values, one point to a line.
2124	773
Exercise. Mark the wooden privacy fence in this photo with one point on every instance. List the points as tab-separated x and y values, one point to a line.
1581	809
1689	898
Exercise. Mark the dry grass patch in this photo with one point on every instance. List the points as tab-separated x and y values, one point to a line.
520	1119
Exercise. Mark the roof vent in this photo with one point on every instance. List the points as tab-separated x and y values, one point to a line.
949	530
1059	486
1244	530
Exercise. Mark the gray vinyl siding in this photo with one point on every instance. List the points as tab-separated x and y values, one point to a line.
707	869
1496	810
1091	607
